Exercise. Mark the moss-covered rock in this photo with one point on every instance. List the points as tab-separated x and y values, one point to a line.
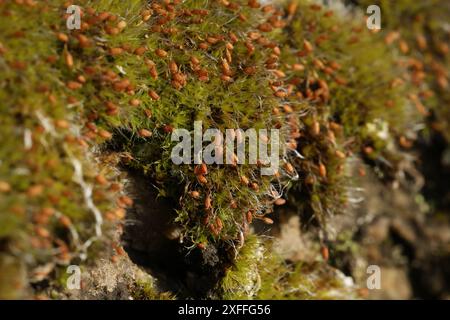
81	107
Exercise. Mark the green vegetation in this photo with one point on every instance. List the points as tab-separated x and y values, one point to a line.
77	107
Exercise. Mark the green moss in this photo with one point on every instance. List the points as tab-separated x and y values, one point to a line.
99	82
245	102
259	273
347	87
145	290
416	30
46	211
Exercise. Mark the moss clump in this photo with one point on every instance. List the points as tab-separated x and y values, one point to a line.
135	71
52	190
350	98
259	273
206	63
417	31
343	67
145	290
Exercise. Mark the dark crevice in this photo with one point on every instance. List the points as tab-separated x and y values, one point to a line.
435	170
151	238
